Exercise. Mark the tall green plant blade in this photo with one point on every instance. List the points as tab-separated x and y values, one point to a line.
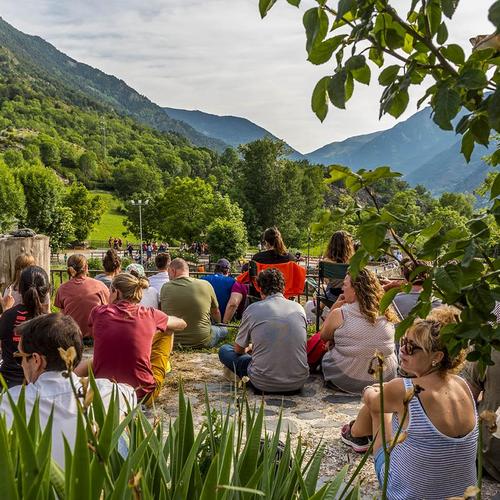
248	461
44	447
28	460
281	475
226	461
330	490
57	480
34	422
97	407
181	487
110	422
241	489
209	490
7	477
80	465
312	469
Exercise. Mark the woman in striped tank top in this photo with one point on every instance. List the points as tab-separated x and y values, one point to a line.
437	458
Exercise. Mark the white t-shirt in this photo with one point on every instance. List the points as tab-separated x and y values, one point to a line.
158	280
150	298
55	391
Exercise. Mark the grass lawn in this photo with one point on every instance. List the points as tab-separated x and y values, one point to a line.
112	221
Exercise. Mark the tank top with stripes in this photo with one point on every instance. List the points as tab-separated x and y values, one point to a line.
428	465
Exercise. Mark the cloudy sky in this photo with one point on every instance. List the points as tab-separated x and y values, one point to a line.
217	56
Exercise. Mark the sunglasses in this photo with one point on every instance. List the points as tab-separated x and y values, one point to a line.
19	356
409	346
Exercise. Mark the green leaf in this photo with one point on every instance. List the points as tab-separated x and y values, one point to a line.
442	34
449	7
336	89
315	22
319	99
322	52
377	56
467	145
80	466
372	235
430	231
362	75
454	53
265	7
398	103
433	13
8	479
355	62
358	261
446	106
295	3
388	75
344	7
495	187
379	173
472	79
387	299
494	110
349	86
494	14
480	129
449	279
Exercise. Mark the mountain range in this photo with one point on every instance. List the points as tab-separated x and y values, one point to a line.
416	147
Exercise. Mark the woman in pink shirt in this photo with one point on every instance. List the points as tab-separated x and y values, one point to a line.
78	296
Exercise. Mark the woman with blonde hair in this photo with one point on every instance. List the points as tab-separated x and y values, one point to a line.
441	424
78	296
132	343
353	330
11	295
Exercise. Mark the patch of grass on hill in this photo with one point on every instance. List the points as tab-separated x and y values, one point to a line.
112	221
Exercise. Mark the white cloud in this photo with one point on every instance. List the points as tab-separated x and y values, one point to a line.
217	56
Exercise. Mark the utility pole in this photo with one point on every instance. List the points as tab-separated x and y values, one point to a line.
140	203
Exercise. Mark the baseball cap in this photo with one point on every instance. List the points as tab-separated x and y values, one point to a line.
223	264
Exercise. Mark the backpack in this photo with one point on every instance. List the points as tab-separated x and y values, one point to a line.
316	349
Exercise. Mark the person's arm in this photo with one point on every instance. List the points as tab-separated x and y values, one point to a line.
232	306
333	321
242	340
175	323
7	299
214	306
394	395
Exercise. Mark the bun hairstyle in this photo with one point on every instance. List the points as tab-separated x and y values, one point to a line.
22	262
272	237
427	334
34	287
130	285
77	265
111	261
340	247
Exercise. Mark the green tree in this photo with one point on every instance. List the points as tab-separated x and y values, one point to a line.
226	238
12	202
13	158
49	153
416	41
187	208
87	209
45	212
459	202
130	177
87	163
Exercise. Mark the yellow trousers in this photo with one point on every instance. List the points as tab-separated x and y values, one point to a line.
161	349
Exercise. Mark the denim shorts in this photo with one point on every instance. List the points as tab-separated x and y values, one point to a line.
379	462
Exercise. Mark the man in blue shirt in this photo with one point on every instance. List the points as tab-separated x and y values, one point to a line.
222	283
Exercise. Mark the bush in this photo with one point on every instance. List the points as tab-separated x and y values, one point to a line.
95	264
226	239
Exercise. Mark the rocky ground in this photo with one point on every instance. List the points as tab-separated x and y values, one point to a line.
316	414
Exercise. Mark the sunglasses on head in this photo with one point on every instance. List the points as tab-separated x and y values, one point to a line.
18	356
409	346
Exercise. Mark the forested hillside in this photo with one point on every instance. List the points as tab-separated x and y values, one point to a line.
83	82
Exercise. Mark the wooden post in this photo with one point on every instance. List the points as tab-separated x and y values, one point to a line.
11	247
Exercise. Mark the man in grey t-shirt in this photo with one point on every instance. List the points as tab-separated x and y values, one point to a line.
274	331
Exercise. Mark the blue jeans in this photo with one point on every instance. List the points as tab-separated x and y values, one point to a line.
379	462
237	363
218	333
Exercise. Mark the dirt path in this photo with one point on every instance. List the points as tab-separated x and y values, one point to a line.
316	414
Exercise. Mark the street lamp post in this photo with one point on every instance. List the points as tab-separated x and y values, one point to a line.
140	203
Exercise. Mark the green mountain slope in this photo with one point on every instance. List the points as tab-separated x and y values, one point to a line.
45	61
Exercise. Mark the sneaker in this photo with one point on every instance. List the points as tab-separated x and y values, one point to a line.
358	444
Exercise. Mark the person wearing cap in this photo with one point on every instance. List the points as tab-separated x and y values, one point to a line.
230	294
150	297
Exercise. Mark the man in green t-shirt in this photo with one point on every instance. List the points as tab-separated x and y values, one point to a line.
195	302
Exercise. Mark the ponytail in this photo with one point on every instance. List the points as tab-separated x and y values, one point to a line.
77	264
130	285
272	237
34	288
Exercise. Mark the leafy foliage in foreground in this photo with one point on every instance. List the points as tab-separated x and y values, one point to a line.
230	457
465	268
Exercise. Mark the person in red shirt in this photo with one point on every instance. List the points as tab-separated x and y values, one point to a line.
132	343
78	296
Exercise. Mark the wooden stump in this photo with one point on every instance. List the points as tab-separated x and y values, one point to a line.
11	247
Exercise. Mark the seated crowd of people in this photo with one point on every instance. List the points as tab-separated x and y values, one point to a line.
134	324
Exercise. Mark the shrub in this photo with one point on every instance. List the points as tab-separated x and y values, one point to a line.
227	239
